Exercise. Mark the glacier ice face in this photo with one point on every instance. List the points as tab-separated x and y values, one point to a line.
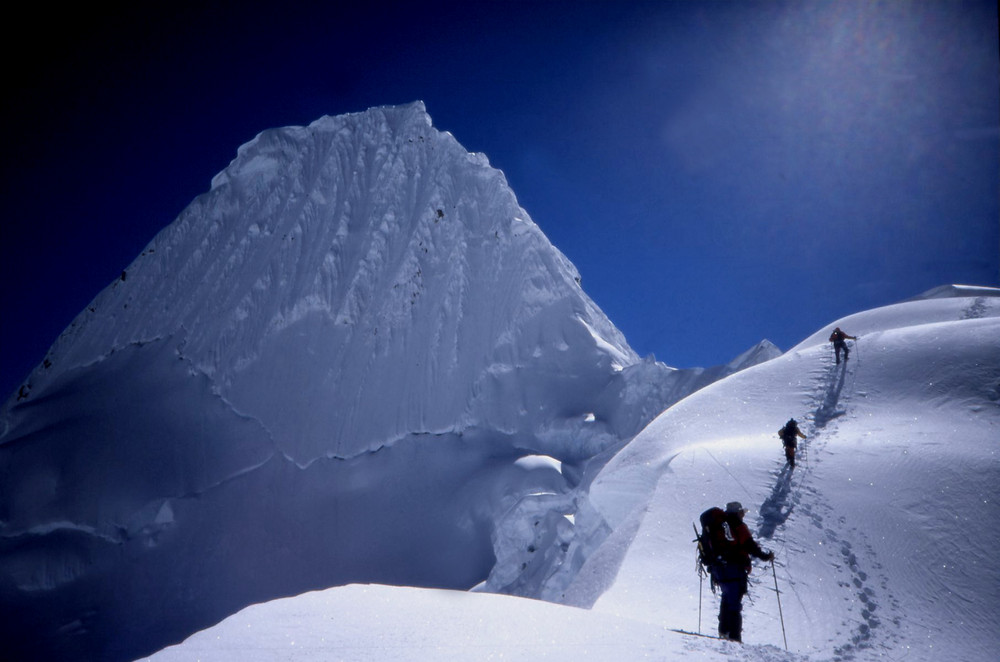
357	280
340	364
326	370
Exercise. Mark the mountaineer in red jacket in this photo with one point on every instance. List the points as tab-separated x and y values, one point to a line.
839	340
729	547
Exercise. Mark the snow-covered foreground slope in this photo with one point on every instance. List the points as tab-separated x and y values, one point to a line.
400	624
885	533
354	359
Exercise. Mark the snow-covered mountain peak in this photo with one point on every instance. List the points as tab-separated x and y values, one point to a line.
357	341
348	342
367	254
406	123
765	350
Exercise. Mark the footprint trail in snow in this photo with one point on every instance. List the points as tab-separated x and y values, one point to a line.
795	491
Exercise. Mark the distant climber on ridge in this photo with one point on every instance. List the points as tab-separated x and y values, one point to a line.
725	546
839	340
789	435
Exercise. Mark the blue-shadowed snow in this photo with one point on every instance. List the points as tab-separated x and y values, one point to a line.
342	363
885	532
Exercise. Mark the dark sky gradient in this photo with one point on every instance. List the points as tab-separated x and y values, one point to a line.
719	172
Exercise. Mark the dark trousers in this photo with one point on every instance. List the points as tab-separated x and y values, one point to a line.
790	454
839	345
731	609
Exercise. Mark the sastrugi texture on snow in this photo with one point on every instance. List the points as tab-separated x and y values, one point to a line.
354	359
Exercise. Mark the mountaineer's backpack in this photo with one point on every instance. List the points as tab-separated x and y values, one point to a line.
788	433
716	539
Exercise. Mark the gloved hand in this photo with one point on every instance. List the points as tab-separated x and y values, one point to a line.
769	556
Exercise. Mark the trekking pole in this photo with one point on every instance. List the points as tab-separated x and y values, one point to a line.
778	594
701	571
701	581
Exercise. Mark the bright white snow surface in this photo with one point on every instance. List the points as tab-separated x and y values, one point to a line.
355	359
886	532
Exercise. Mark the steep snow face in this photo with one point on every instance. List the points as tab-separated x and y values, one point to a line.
358	280
328	369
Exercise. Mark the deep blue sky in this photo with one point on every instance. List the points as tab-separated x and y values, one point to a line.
719	172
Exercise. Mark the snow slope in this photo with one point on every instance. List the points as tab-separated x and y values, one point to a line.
362	623
354	359
885	533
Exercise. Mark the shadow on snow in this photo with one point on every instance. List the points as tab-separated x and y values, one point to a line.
778	506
